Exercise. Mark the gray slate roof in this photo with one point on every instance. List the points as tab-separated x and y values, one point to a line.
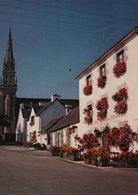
70	119
51	123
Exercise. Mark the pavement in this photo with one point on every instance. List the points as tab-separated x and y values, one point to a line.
45	153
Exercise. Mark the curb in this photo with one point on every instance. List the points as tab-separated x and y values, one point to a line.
81	163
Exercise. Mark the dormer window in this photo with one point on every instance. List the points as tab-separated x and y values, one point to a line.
120	56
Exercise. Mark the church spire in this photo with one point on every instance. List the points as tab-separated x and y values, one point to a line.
9	63
8	73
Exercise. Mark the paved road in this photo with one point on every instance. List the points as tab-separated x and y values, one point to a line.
24	173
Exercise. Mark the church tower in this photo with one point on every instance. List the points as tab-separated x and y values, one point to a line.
8	88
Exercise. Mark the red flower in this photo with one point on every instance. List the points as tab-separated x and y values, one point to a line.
120	95
102	81
87	90
102	106
121	107
119	69
89	141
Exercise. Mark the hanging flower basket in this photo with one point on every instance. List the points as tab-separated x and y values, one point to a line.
119	69
101	81
87	90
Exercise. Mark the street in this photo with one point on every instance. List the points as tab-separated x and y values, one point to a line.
24	173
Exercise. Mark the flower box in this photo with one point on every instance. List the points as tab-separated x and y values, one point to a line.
101	82
119	69
87	90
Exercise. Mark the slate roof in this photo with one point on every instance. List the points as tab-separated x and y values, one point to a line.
51	123
28	102
71	118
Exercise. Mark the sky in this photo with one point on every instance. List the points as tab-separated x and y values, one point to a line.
55	40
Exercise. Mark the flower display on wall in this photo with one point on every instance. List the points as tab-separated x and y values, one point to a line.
121	107
89	141
101	82
87	90
121	98
102	106
122	137
120	95
119	69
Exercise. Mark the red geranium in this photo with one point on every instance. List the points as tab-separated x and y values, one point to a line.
120	95
121	107
101	81
87	90
102	106
119	69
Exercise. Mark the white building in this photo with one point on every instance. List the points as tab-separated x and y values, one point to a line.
41	113
112	74
51	111
33	124
21	128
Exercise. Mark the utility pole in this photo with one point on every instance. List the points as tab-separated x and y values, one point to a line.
103	34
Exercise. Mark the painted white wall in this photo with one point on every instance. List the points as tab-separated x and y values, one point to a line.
21	128
129	79
63	137
35	127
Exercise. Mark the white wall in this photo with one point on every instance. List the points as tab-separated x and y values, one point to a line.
21	128
64	137
35	127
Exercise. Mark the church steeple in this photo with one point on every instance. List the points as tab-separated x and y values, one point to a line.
8	73
9	63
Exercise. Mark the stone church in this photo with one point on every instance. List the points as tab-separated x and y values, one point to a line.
8	88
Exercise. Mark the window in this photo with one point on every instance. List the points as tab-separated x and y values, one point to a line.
120	56
88	80
88	112
102	70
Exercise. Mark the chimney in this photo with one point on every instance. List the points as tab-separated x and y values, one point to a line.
68	108
55	96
